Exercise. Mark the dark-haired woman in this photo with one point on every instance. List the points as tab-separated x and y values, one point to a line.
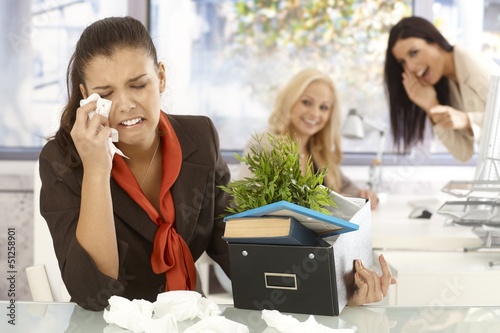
130	227
427	78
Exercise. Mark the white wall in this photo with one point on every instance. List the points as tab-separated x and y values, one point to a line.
16	212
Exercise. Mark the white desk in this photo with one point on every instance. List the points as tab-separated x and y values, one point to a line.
69	317
393	229
429	258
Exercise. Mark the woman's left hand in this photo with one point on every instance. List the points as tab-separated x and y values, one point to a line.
450	118
371	287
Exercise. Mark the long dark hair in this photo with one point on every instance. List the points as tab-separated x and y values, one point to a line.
408	119
101	38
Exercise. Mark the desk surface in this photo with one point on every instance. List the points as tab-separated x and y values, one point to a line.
428	257
392	229
68	317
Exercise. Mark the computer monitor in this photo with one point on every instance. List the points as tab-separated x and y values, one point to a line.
481	206
488	159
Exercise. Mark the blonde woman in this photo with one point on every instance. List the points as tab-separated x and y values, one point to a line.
307	109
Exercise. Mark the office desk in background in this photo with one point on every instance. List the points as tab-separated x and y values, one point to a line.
429	256
392	228
70	318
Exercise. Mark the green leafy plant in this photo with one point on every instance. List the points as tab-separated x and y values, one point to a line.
277	176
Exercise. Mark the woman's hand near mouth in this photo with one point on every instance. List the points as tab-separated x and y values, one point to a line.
419	91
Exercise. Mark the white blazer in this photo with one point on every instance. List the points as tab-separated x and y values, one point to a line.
469	95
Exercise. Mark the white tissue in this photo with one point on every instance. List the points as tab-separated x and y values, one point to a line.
131	315
184	304
103	108
164	314
288	324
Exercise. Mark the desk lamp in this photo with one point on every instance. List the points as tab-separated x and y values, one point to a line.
353	129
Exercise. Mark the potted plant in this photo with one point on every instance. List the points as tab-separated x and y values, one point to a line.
277	176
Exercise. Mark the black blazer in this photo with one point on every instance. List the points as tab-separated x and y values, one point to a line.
197	197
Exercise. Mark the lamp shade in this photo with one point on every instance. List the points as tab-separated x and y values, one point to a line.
353	126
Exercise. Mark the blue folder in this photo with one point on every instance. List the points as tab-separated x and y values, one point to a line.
323	224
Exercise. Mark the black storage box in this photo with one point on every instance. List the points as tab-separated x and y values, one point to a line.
301	279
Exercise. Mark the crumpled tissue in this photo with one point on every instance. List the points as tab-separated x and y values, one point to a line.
184	304
288	324
103	108
136	316
164	315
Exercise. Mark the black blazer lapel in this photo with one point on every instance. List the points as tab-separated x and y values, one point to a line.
188	193
189	189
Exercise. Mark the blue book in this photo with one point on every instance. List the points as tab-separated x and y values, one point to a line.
323	225
272	230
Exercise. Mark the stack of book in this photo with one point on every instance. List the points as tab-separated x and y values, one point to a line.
285	223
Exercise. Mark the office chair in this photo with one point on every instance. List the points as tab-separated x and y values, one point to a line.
44	277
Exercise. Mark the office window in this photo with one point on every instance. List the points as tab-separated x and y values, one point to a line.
227	59
474	24
34	52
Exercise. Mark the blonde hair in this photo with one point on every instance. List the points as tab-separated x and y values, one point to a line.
324	145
